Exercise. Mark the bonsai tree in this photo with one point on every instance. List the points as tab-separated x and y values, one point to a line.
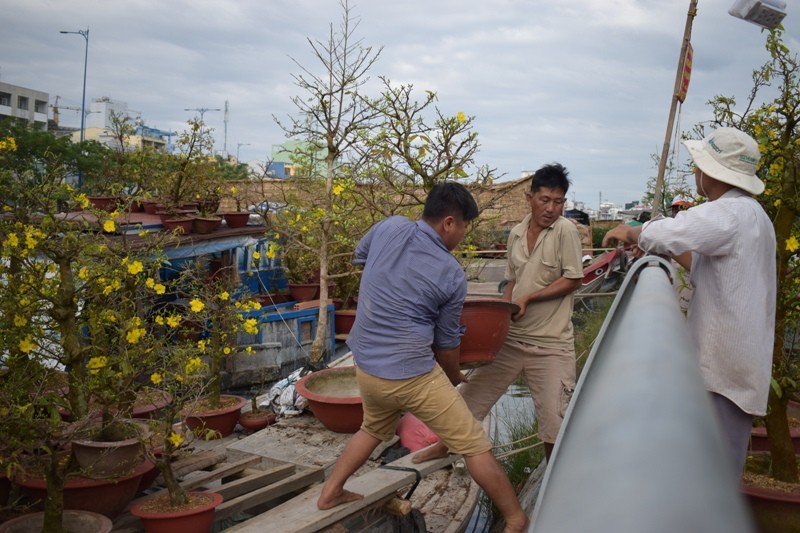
775	124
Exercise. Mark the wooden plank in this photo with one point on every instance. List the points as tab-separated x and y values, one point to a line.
197	461
300	514
266	494
254	481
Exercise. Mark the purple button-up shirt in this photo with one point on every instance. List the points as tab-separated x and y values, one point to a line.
411	295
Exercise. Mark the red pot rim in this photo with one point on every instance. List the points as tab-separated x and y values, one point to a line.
312	396
760	492
223	410
761	431
136	507
491	302
82	482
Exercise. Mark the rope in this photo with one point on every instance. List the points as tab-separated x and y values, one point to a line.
517	450
523	439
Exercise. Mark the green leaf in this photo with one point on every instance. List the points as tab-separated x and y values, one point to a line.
776	387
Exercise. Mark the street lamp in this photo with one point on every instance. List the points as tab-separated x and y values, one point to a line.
85	35
239	145
765	13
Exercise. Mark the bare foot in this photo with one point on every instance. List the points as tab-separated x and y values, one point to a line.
436	451
517	525
330	501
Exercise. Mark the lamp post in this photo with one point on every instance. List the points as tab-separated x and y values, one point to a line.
765	13
85	35
239	145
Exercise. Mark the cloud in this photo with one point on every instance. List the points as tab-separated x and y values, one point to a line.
587	83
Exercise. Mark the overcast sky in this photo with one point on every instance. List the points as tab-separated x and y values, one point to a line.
586	83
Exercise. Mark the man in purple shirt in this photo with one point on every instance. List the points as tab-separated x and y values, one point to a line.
410	299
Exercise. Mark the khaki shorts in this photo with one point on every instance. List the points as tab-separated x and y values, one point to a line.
549	372
431	398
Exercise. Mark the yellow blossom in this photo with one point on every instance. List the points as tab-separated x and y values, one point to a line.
792	244
160	320
109	226
337	189
251	326
156	378
226	350
777	202
256	255
224	295
12	240
96	363
173	321
461	117
201	345
175	438
150	283
271	251
82	200
83	273
20	320
160	289
26	345
195	364
135	334
135	267
233	190
197	305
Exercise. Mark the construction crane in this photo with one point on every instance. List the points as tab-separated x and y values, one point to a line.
56	108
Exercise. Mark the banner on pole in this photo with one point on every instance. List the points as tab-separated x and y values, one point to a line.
687	73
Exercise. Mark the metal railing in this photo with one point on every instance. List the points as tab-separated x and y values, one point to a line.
640	449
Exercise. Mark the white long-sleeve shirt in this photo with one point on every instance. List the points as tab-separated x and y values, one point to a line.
732	312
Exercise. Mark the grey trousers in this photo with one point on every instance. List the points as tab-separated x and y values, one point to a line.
736	427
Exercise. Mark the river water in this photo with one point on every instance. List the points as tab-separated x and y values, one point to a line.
515	406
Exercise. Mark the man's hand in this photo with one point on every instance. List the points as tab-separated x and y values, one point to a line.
523	305
449	361
622	234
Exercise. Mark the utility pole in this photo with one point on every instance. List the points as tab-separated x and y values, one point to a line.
662	163
225	140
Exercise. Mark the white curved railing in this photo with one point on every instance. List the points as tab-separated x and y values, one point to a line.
639	449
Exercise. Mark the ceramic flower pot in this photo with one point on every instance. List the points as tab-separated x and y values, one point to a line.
104	203
334	398
343	320
217	423
236	219
149	402
487	321
101	457
773	510
72	520
179	225
205	225
198	518
254	421
108	497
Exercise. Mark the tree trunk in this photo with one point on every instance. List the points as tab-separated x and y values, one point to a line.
54	502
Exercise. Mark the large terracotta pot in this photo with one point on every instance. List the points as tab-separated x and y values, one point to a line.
105	496
218	423
334	398
149	403
254	421
72	520
303	292
205	225
775	511
181	225
343	320
101	459
195	520
105	203
487	321
236	219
